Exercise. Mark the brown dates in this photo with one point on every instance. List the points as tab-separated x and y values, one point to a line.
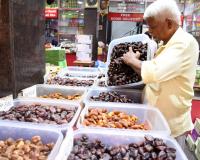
61	96
111	96
70	82
116	119
118	72
85	149
21	149
39	114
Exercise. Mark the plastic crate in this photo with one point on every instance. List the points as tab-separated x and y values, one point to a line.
110	138
62	127
134	38
78	74
146	114
16	130
44	89
82	69
135	95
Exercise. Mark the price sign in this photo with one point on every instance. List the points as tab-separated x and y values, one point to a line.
51	13
6	103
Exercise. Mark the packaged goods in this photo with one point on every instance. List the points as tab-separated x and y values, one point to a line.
70	82
154	148
190	143
25	149
114	119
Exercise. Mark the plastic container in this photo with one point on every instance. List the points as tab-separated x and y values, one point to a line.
135	95
44	89
78	74
62	127
110	138
76	79
146	114
83	69
16	130
134	38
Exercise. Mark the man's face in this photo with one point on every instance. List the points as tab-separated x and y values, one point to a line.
160	30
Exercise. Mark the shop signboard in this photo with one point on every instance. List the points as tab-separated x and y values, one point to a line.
51	13
133	17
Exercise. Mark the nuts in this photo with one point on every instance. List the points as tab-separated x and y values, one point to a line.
21	149
115	119
118	72
39	114
61	96
85	149
112	96
70	82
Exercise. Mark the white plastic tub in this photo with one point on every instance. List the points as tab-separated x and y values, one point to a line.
134	38
135	95
62	127
145	114
78	74
83	69
44	89
75	79
16	130
111	138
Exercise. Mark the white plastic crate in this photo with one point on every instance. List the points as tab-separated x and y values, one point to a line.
111	138
18	130
62	127
145	114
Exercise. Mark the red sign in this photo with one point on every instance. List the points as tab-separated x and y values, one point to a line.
134	17
51	13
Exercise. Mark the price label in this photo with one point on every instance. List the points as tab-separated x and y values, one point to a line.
6	103
30	92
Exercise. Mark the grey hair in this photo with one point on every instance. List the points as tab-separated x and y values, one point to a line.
163	9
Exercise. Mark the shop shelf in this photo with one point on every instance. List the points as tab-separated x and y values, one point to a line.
16	131
30	101
135	95
43	89
110	138
146	114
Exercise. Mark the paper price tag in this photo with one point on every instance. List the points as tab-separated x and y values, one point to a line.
30	92
6	103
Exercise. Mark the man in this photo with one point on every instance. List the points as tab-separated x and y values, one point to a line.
170	76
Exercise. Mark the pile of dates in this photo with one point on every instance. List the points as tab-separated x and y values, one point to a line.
151	149
21	149
38	113
102	84
61	96
118	72
70	82
82	76
115	119
101	76
111	96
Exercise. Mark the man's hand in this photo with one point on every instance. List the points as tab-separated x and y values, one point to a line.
130	56
132	59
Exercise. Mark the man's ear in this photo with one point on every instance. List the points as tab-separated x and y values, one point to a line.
169	23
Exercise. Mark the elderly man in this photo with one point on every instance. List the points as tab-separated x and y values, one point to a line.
170	75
